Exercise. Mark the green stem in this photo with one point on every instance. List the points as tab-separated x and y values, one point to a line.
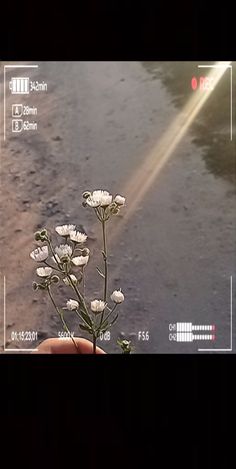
54	255
109	314
82	319
63	320
94	343
52	267
98	214
68	277
105	259
105	264
74	248
83	282
80	297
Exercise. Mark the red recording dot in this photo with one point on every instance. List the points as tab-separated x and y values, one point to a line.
194	83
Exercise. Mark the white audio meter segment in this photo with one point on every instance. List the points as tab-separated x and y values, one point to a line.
188	332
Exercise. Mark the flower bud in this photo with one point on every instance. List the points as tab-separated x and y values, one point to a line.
55	279
85	252
119	200
114	210
65	259
35	286
117	296
37	236
125	345
86	194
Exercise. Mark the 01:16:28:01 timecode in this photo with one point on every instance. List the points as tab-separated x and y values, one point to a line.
24	335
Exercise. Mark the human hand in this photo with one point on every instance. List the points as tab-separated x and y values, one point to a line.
66	346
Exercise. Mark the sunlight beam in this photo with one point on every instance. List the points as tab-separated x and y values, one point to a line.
153	163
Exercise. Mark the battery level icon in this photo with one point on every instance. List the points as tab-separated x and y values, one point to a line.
19	85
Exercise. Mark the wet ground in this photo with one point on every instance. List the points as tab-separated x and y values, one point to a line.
174	255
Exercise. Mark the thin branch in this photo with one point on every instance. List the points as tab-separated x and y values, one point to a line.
63	320
109	314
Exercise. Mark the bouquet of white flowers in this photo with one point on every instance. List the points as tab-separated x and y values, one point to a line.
67	263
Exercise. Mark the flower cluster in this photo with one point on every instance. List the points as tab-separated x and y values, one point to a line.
103	203
63	255
66	263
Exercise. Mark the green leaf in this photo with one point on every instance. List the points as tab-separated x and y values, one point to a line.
104	256
86	317
100	272
84	328
104	326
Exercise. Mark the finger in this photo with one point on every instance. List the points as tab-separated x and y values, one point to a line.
66	346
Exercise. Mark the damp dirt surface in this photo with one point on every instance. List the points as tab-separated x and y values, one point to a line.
174	256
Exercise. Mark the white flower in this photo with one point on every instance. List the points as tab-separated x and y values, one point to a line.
63	250
44	271
119	200
117	296
39	254
99	198
93	202
80	260
64	230
73	279
78	237
99	193
72	304
106	200
97	306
